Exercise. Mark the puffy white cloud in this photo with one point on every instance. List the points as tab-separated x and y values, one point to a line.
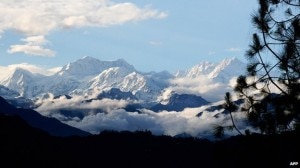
34	45
33	50
35	40
36	18
42	16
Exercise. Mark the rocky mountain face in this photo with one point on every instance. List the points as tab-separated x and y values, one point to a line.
117	94
178	102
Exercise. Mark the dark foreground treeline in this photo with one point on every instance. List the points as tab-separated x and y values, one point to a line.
22	146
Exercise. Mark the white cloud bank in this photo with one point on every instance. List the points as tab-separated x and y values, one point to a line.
34	45
166	122
200	85
37	18
107	114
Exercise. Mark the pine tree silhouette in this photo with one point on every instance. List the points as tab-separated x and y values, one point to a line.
274	64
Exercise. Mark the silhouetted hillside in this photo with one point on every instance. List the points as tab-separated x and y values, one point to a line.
258	151
14	126
27	146
22	145
34	119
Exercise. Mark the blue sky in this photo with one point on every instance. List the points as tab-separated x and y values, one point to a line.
152	35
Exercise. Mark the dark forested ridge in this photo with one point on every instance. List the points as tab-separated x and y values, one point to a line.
23	145
36	120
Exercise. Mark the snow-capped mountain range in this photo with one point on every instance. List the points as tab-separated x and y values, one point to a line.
89	76
95	95
219	72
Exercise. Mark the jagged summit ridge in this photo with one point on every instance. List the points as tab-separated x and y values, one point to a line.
201	69
226	69
88	66
220	72
21	81
88	74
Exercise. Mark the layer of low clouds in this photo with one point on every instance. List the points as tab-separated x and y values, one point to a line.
106	114
116	118
50	106
38	18
200	85
166	122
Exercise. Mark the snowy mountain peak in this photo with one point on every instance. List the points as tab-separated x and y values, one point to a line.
18	74
89	76
201	69
88	66
230	61
87	58
220	72
21	71
20	80
228	68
